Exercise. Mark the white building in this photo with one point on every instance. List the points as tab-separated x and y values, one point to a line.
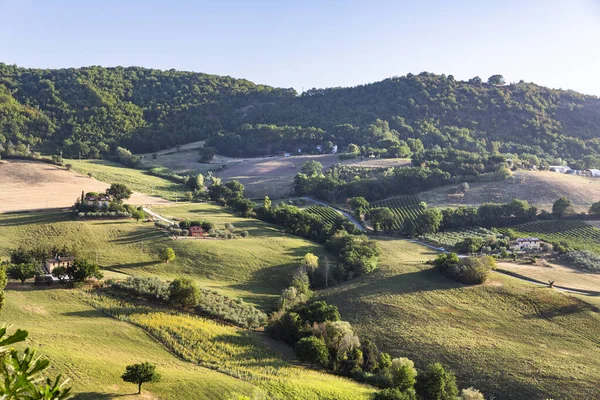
531	244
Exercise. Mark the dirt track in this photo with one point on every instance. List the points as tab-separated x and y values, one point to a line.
26	185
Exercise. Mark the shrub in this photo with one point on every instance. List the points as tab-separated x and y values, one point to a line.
583	259
168	254
244	234
403	373
471	394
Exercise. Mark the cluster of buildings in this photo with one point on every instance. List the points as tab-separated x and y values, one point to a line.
564	169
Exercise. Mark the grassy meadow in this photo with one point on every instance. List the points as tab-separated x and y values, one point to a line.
256	268
509	339
92	350
136	179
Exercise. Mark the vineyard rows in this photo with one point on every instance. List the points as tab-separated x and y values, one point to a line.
405	208
328	214
451	238
577	234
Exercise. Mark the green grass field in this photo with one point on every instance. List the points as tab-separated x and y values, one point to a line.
135	179
509	339
92	350
256	268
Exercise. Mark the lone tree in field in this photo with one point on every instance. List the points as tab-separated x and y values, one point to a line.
313	350
167	255
437	383
22	272
119	192
141	373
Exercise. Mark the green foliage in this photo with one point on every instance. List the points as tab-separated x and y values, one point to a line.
184	292
327	214
138	214
471	394
406	210
22	372
435	383
562	207
207	154
403	374
22	272
313	350
3	282
395	394
358	205
312	168
381	218
595	209
167	255
119	192
469	270
310	262
81	270
429	221
140	374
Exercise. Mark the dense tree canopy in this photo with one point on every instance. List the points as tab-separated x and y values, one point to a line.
91	111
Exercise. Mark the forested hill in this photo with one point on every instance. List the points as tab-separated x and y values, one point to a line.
92	110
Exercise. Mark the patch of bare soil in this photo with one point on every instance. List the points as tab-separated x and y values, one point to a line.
28	185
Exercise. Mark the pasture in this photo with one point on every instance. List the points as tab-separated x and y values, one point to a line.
510	339
28	185
539	188
92	350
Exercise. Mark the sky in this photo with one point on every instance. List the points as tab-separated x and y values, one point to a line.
306	44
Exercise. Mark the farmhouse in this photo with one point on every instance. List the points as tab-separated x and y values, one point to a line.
51	263
196	231
101	200
532	244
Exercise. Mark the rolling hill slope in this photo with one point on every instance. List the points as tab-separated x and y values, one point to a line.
509	339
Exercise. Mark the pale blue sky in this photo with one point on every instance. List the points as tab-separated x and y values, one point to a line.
306	44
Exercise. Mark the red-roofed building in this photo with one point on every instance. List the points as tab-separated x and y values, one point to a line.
196	231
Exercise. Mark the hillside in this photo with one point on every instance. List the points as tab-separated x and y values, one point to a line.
539	188
256	268
510	339
89	111
93	353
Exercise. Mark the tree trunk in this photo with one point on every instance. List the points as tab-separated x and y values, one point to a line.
140	388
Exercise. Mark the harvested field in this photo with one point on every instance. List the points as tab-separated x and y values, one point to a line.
28	185
540	188
564	276
274	176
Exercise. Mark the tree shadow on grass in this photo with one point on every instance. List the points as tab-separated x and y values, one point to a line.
34	218
93	313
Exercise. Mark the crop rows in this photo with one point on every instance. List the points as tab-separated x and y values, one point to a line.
577	234
405	208
328	214
451	238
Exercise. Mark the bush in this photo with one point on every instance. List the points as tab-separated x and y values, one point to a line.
471	394
583	259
